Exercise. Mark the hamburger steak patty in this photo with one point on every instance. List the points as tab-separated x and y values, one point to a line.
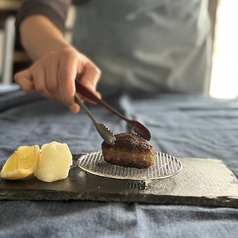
129	150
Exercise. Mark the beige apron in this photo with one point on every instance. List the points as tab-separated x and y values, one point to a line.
147	45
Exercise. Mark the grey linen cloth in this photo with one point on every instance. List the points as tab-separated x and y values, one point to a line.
181	125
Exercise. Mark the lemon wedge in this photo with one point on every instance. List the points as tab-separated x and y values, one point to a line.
21	163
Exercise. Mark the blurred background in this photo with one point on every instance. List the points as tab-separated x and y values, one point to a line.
224	18
224	73
12	56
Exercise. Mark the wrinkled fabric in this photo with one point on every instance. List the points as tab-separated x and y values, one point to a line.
181	125
149	46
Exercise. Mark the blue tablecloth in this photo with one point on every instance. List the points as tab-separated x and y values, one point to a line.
181	125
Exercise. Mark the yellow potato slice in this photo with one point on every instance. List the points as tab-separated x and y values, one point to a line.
54	163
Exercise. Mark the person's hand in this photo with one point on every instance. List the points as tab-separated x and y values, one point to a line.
54	75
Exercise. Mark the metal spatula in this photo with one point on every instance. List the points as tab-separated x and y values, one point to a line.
140	129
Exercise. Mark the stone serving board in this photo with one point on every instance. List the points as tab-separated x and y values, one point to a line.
201	182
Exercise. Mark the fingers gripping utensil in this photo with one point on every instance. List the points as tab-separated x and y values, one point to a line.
140	129
102	129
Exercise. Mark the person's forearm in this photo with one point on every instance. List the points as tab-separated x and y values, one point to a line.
56	65
39	36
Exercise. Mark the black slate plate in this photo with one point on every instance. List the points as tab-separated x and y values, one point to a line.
192	186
